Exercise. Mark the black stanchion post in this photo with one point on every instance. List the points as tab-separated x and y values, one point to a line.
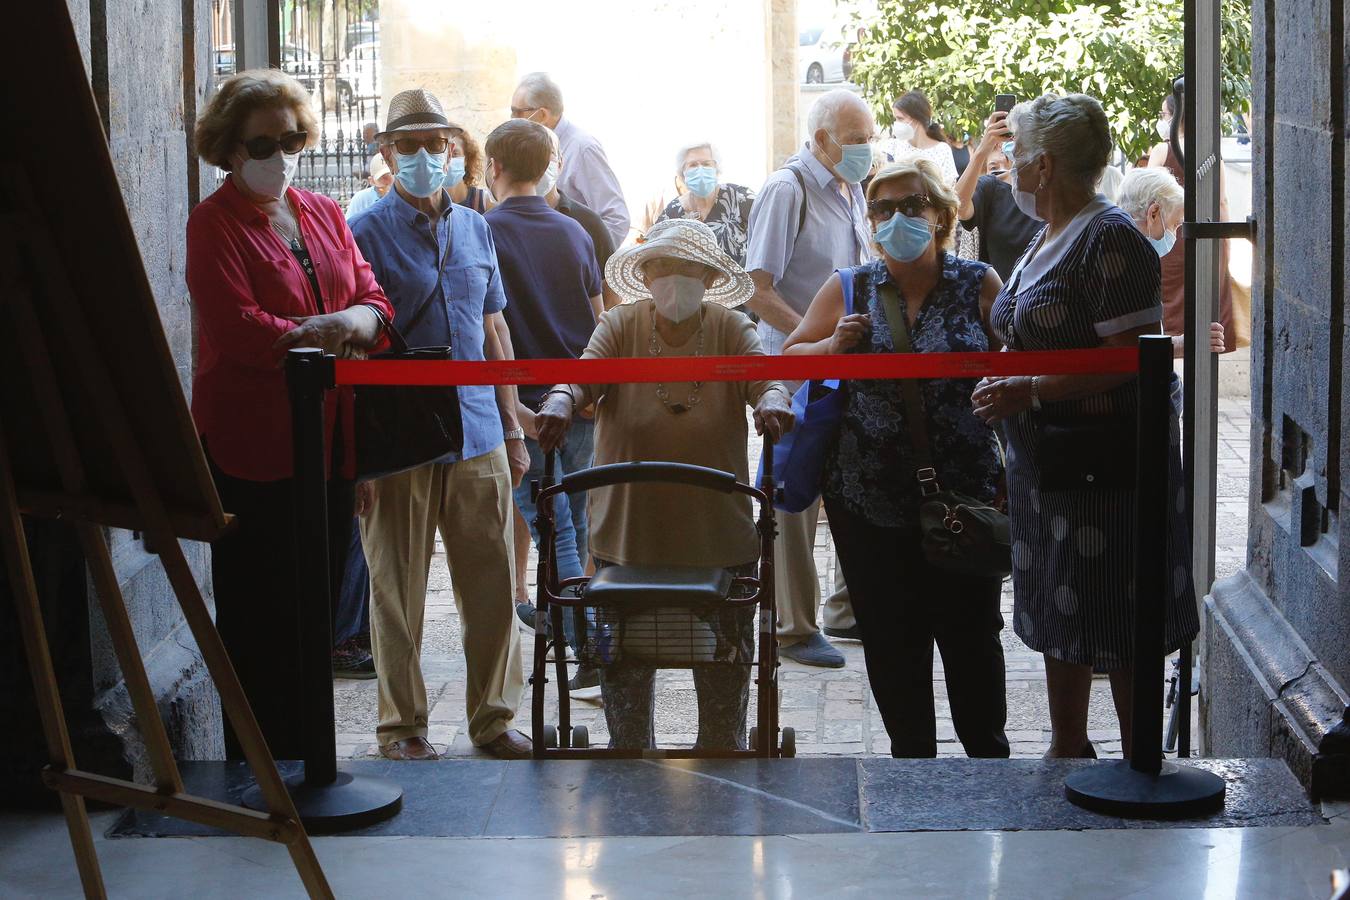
326	799
1145	786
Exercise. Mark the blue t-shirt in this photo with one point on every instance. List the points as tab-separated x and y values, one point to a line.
452	264
549	272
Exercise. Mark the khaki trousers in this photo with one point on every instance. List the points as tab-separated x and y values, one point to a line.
470	502
797	583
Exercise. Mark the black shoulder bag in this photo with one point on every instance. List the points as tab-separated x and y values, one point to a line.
400	427
958	533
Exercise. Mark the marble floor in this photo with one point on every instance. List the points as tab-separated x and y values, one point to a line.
1218	863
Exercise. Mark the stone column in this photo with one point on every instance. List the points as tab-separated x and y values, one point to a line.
783	88
1277	658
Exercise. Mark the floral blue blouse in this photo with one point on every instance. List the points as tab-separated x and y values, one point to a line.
871	468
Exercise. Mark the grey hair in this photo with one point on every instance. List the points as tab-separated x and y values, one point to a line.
684	152
542	91
825	111
1071	129
1141	188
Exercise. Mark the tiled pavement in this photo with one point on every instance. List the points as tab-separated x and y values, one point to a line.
832	710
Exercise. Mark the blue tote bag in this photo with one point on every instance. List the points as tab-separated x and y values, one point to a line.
799	458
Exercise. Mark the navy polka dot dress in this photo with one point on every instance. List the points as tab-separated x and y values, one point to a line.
1073	551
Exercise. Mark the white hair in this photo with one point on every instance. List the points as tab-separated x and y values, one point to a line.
683	152
1141	188
825	111
1072	129
542	91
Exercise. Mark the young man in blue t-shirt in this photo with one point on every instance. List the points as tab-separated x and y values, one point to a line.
553	291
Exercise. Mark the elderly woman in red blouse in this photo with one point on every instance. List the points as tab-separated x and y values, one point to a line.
270	267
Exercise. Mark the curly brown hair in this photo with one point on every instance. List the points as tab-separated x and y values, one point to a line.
473	156
218	127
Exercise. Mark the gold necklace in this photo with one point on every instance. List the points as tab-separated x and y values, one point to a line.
654	348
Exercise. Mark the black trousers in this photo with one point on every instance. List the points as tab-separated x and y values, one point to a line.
903	605
258	610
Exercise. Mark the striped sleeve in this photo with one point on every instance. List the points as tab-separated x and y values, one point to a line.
1129	279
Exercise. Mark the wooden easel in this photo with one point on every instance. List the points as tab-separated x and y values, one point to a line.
96	432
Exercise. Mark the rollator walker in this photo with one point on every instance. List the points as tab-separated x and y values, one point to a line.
671	617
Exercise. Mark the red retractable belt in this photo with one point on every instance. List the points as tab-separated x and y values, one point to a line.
739	368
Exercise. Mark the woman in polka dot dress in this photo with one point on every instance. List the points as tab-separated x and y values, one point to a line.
1090	279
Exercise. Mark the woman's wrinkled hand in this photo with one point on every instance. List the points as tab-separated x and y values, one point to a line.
552	421
849	332
334	333
996	399
773	415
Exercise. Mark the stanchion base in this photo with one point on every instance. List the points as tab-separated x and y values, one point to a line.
1115	789
351	801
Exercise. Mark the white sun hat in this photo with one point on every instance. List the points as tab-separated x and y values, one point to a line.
678	239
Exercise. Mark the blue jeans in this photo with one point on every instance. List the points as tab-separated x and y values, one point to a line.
352	616
571	538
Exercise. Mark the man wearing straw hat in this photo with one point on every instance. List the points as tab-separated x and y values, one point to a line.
678	290
438	265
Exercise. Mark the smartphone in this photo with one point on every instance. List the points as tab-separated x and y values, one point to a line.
1005	102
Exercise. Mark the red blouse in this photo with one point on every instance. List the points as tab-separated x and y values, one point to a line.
244	280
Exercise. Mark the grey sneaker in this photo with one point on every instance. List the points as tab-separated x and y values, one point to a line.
814	651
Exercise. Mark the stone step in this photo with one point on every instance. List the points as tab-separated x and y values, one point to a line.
610	798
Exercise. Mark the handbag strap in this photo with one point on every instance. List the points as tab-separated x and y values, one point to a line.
910	394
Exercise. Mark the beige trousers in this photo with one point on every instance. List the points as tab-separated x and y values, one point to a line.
470	502
797	583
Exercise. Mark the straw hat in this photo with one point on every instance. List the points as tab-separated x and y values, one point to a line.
415	110
679	239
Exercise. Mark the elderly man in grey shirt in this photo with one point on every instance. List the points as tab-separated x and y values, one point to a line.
810	219
587	177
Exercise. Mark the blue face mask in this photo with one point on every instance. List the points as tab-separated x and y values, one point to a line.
455	174
701	180
1165	243
904	238
857	161
422	174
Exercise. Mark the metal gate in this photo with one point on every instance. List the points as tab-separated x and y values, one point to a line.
1198	94
332	47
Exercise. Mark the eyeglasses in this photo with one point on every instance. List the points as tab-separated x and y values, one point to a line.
912	206
523	112
410	145
661	266
263	147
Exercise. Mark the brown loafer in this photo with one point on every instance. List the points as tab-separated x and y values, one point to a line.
413	748
510	745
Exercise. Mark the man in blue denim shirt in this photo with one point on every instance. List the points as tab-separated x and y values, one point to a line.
438	266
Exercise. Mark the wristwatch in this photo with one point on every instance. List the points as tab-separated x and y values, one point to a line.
515	434
1035	393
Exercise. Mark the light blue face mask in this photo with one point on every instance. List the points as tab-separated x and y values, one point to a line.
1165	243
904	238
422	174
701	180
455	174
857	161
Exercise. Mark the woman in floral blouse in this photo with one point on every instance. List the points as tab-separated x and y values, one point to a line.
871	489
724	208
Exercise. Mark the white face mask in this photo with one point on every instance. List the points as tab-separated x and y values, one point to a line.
677	297
1164	127
1025	200
269	177
549	180
903	131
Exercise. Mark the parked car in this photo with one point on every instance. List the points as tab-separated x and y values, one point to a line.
822	58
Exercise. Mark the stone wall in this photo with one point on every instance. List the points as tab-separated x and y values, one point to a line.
147	61
1277	649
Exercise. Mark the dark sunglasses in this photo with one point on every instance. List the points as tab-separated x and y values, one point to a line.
911	206
409	145
262	147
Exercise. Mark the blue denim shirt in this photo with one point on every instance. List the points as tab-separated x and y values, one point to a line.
453	262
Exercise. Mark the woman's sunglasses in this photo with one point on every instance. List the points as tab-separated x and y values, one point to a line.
263	147
410	145
912	206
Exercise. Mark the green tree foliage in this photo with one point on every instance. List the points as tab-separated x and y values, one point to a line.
961	54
